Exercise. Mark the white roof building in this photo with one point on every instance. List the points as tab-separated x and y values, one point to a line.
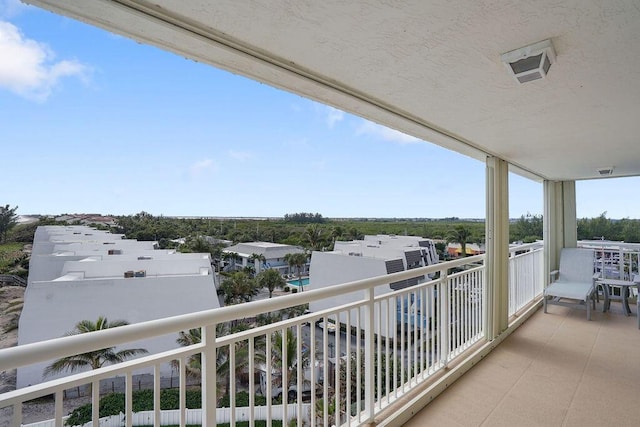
361	259
273	254
83	280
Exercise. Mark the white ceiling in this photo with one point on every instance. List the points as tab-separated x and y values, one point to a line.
430	68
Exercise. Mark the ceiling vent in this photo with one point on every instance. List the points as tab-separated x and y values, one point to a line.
605	171
530	62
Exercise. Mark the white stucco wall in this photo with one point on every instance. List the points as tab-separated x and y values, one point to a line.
53	308
175	284
330	268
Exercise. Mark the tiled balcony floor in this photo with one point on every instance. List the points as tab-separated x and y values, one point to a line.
557	369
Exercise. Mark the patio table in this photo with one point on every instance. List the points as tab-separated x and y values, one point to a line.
624	286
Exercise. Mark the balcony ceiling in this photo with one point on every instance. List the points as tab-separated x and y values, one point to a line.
429	68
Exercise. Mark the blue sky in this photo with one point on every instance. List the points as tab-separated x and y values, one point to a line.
94	122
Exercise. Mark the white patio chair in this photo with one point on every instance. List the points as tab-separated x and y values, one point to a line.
575	280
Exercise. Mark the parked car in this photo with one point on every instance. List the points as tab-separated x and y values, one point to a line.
330	325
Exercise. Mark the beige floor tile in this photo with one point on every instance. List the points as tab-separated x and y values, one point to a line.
557	369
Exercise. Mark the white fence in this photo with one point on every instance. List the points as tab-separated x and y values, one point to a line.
192	416
385	344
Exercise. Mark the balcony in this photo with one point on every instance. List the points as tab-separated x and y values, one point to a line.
390	346
562	143
556	369
392	354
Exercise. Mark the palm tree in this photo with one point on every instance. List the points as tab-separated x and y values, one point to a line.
93	359
232	257
313	235
271	280
185	339
238	287
240	365
460	234
299	261
216	256
289	345
223	362
258	260
199	245
354	234
336	233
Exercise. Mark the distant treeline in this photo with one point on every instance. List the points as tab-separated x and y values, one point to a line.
304	218
322	235
300	229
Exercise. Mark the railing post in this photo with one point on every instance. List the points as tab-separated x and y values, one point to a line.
444	324
59	408
95	400
156	395
16	421
209	398
369	371
128	402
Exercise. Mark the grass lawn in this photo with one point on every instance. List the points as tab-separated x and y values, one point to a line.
9	254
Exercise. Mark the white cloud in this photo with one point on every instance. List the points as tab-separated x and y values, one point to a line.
384	133
240	155
11	8
201	166
334	116
27	67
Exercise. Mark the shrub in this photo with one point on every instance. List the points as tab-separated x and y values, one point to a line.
113	404
242	399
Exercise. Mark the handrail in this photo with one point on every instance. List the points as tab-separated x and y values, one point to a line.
526	247
43	351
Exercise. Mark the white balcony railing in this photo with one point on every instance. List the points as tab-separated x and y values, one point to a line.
614	260
526	275
368	354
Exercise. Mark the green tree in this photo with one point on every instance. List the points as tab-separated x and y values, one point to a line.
631	230
185	339
271	280
354	234
7	221
527	229
298	261
288	345
460	234
313	236
199	245
93	359
216	255
223	362
239	364
239	287
258	260
231	258
336	233
598	228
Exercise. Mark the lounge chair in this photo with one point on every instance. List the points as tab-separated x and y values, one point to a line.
575	280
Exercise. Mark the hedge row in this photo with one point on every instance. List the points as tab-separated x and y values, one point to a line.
113	404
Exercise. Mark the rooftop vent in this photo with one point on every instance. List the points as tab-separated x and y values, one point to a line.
605	171
530	62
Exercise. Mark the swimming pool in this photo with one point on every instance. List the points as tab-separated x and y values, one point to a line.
296	282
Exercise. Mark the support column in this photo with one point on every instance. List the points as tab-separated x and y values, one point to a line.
497	247
559	222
